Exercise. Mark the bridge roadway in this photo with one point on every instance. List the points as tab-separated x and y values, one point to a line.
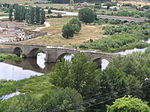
52	53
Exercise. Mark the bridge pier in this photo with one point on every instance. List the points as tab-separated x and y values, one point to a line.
51	55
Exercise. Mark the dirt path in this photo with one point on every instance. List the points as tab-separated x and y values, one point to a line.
46	25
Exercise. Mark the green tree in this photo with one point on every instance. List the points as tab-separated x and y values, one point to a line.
19	13
87	15
68	30
10	14
37	15
77	24
128	104
62	100
79	74
42	16
71	2
55	100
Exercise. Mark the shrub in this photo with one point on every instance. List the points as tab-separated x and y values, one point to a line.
87	15
68	30
128	104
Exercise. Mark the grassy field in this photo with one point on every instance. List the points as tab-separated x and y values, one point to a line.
135	3
54	36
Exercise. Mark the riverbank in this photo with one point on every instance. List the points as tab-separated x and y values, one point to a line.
9	57
121	37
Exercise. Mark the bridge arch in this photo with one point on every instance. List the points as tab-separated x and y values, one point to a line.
33	53
18	51
67	56
98	61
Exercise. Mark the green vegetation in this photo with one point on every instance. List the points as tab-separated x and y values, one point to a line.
87	15
123	37
9	57
56	100
10	14
79	74
129	104
74	26
131	13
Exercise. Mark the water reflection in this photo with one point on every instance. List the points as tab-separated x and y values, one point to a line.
146	40
126	52
68	57
104	64
11	72
41	60
5	97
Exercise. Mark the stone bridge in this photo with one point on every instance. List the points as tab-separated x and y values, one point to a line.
53	53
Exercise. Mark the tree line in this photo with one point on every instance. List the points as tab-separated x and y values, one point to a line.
67	1
32	15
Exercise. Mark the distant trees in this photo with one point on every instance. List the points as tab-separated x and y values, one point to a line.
87	15
32	15
19	13
129	104
74	26
10	14
67	1
71	2
35	15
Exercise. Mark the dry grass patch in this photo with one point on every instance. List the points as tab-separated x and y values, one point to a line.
55	38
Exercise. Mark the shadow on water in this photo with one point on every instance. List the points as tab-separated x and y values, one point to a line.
25	69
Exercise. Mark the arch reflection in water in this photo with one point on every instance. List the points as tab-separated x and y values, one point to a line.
41	60
68	57
104	64
11	72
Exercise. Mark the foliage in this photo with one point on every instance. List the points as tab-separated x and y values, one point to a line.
74	26
130	14
10	14
68	30
79	74
87	15
124	36
9	57
71	2
35	15
146	7
54	100
19	13
128	104
76	22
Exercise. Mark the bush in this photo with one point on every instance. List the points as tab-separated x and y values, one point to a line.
87	15
77	24
72	27
68	30
128	104
146	7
